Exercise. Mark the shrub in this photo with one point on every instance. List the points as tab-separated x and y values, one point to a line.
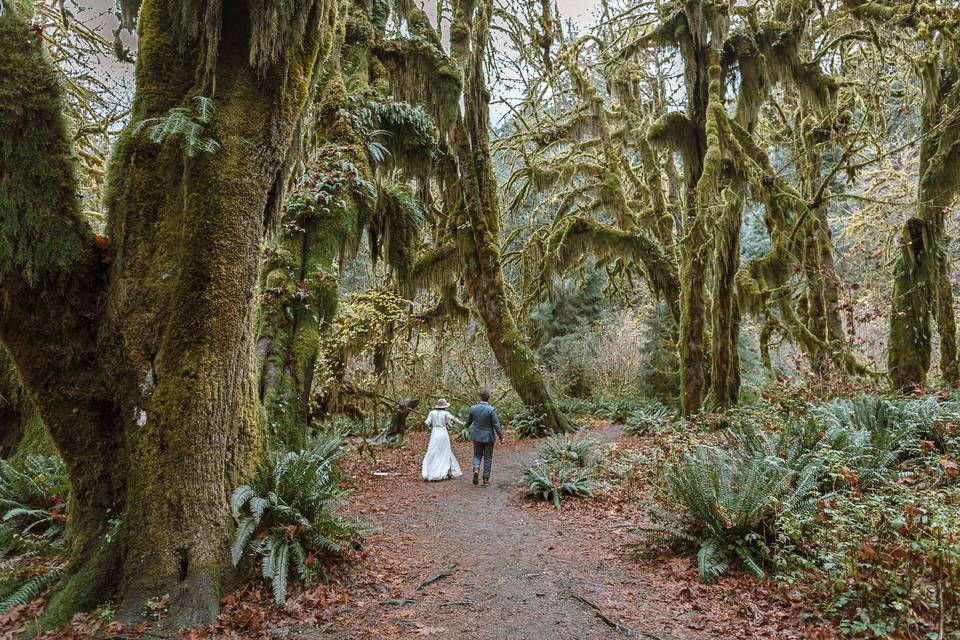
617	410
580	453
528	423
885	562
869	435
650	418
564	467
290	511
33	497
734	495
551	481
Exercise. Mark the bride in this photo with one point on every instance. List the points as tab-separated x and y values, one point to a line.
440	463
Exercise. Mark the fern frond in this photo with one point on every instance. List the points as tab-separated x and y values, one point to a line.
711	560
239	498
280	554
29	591
244	532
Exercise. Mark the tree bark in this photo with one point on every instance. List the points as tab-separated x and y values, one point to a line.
725	313
908	349
140	357
923	266
476	186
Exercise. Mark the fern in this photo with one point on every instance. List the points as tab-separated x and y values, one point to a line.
33	497
563	448
29	590
870	435
182	121
733	495
562	470
647	419
291	509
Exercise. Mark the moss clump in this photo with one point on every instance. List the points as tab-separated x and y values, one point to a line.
42	231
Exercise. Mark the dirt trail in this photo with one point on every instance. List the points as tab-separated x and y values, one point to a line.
519	569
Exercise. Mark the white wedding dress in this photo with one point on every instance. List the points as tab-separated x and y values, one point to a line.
439	461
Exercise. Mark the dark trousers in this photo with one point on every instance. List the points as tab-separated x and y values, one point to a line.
483	451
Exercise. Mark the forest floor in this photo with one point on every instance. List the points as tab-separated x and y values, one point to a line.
520	569
509	568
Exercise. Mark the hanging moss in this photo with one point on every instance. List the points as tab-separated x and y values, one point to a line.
434	267
724	314
421	73
576	236
395	231
676	132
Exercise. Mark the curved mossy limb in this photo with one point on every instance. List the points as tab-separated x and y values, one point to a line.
473	191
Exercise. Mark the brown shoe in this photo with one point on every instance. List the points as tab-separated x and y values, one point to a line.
486	482
476	476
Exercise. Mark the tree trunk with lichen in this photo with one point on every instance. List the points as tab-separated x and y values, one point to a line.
725	314
140	354
476	186
908	349
923	267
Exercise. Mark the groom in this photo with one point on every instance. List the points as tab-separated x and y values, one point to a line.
484	424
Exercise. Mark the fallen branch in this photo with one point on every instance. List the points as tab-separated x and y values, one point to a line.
443	574
610	622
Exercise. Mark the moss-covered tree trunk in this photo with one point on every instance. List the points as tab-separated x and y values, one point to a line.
725	313
140	357
923	267
908	350
476	186
822	312
21	428
696	46
299	289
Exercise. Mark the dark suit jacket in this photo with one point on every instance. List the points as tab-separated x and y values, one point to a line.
484	423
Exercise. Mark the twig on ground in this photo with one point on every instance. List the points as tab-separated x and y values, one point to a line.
400	602
456	603
610	622
443	574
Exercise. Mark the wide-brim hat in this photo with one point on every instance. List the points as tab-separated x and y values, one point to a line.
441	404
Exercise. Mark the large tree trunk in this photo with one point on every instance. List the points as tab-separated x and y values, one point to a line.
696	45
141	358
908	349
477	188
923	267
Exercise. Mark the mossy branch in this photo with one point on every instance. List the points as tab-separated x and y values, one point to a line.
576	236
43	234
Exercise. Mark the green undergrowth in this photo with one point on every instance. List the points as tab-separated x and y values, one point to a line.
855	501
290	517
564	467
33	500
